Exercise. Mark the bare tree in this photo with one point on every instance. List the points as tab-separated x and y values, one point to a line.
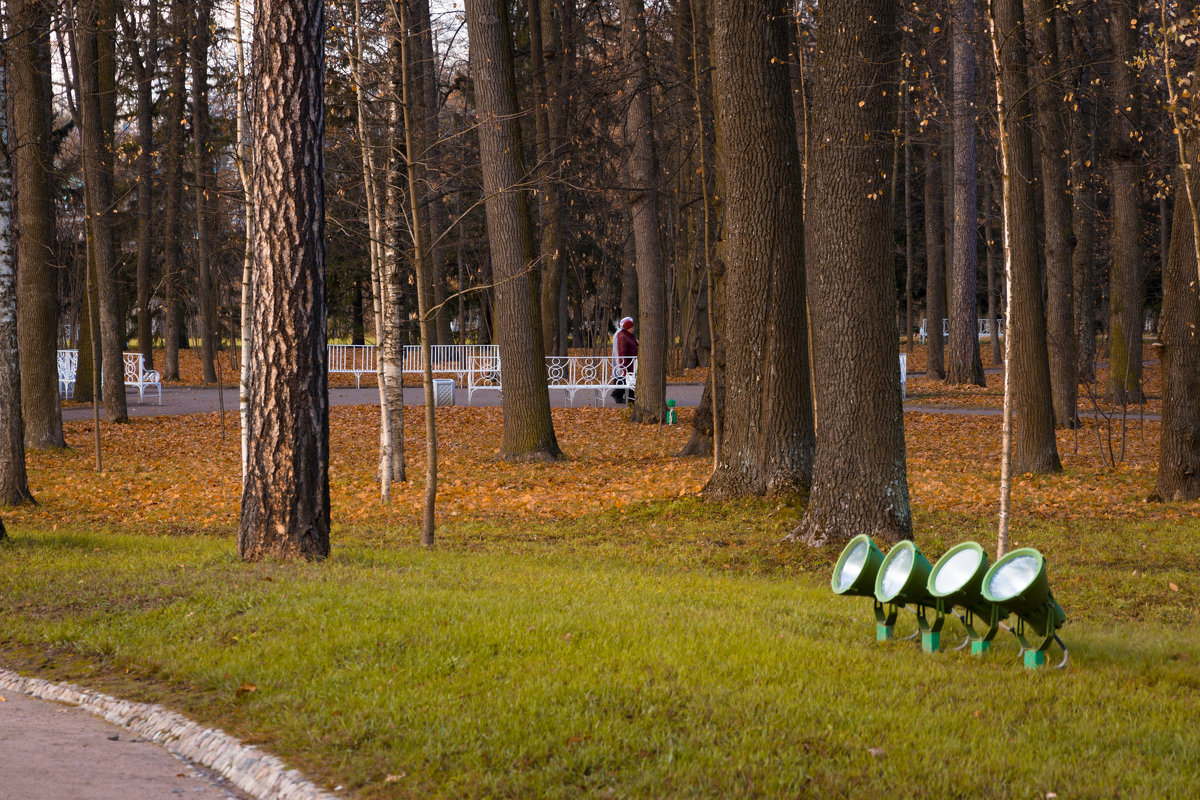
964	365
641	156
1027	363
528	429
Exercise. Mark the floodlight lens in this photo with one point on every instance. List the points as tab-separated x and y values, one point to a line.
956	571
1013	577
897	573
853	564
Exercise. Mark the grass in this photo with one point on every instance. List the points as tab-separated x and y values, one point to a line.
666	649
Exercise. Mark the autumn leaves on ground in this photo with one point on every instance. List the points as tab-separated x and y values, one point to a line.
176	474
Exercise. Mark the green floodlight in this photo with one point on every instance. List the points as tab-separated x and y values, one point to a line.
902	580
957	580
854	576
854	573
1017	583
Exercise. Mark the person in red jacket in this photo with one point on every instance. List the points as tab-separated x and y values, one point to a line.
625	350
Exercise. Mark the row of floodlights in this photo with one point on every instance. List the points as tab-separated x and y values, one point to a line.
1015	584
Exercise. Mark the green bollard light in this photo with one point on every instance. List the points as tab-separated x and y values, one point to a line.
854	576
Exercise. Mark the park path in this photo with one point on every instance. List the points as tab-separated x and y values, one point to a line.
50	751
202	400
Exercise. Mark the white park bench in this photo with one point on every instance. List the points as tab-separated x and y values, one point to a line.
574	374
68	365
136	374
140	378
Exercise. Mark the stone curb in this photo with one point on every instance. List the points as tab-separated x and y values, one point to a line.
254	772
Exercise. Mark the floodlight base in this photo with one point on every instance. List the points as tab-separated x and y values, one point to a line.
980	646
931	641
1035	659
885	633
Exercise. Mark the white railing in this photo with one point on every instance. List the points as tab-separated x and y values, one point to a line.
447	359
589	373
983	329
352	359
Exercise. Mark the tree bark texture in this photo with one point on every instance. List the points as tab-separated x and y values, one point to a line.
995	266
145	63
859	481
97	116
641	155
1179	351
964	365
173	198
544	45
1083	218
1056	214
935	266
391	288
205	300
14	484
37	282
767	439
285	501
1034	448
1125	288
528	429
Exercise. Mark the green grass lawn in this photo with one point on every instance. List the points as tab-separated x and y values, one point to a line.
668	650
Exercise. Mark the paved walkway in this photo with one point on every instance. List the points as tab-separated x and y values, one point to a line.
200	400
50	751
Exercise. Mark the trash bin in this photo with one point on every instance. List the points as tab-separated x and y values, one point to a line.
443	392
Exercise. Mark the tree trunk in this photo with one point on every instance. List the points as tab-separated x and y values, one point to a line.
1060	326
285	502
1035	449
909	236
14	485
145	68
1125	276
767	438
545	45
173	177
1179	351
1083	217
390	291
200	41
97	65
37	280
994	267
935	274
528	429
642	157
859	480
965	366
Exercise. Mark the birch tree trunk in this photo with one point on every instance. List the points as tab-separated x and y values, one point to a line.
14	485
